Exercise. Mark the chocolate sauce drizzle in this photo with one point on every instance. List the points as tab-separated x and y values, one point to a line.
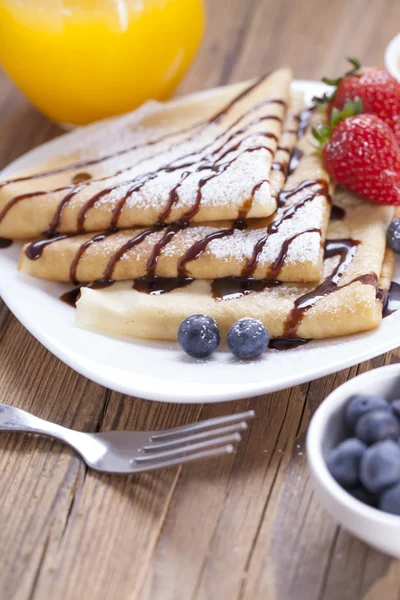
87	163
304	120
55	223
226	288
212	161
251	265
288	167
135	185
81	250
72	296
5	243
280	166
276	267
337	213
295	158
81	177
165	239
146	285
346	250
199	247
284	195
160	285
138	239
222	288
230	288
284	343
34	251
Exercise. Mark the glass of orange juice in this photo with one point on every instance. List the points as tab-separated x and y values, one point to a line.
83	60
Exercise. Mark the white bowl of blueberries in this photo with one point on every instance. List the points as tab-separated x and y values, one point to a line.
353	450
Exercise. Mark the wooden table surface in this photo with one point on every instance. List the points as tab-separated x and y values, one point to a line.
245	526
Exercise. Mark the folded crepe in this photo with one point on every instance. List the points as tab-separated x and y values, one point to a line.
287	246
344	302
202	158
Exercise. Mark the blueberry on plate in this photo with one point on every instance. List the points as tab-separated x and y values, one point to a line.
395	406
389	500
393	235
376	426
199	336
343	462
247	338
360	404
380	466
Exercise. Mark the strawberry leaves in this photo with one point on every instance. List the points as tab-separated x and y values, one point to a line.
322	133
356	66
326	98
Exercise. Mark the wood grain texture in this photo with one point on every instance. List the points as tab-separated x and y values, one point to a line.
240	527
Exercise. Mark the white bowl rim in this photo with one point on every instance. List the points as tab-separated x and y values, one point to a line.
316	461
392	56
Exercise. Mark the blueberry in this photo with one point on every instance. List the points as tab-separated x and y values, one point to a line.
389	500
343	462
361	494
247	338
393	235
199	336
360	404
395	406
380	466
376	426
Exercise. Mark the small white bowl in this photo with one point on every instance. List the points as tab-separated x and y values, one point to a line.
375	527
392	57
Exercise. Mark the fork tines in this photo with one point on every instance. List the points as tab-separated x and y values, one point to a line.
194	441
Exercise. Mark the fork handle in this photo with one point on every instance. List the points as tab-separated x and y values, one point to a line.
16	419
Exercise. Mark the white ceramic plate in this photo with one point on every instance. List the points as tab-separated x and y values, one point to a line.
159	370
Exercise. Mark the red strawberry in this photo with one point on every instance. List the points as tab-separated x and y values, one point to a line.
361	153
377	89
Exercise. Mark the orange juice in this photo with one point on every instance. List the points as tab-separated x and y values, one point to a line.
83	60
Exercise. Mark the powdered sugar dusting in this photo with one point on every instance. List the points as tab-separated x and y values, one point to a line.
237	247
109	135
226	159
304	249
226	178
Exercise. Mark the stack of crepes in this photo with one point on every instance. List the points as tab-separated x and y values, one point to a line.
215	204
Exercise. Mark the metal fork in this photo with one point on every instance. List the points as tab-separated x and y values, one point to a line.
137	451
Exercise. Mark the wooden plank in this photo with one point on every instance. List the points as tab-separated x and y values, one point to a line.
4	316
377	22
226	30
21	126
283	35
39	478
222	509
298	540
57	536
115	520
